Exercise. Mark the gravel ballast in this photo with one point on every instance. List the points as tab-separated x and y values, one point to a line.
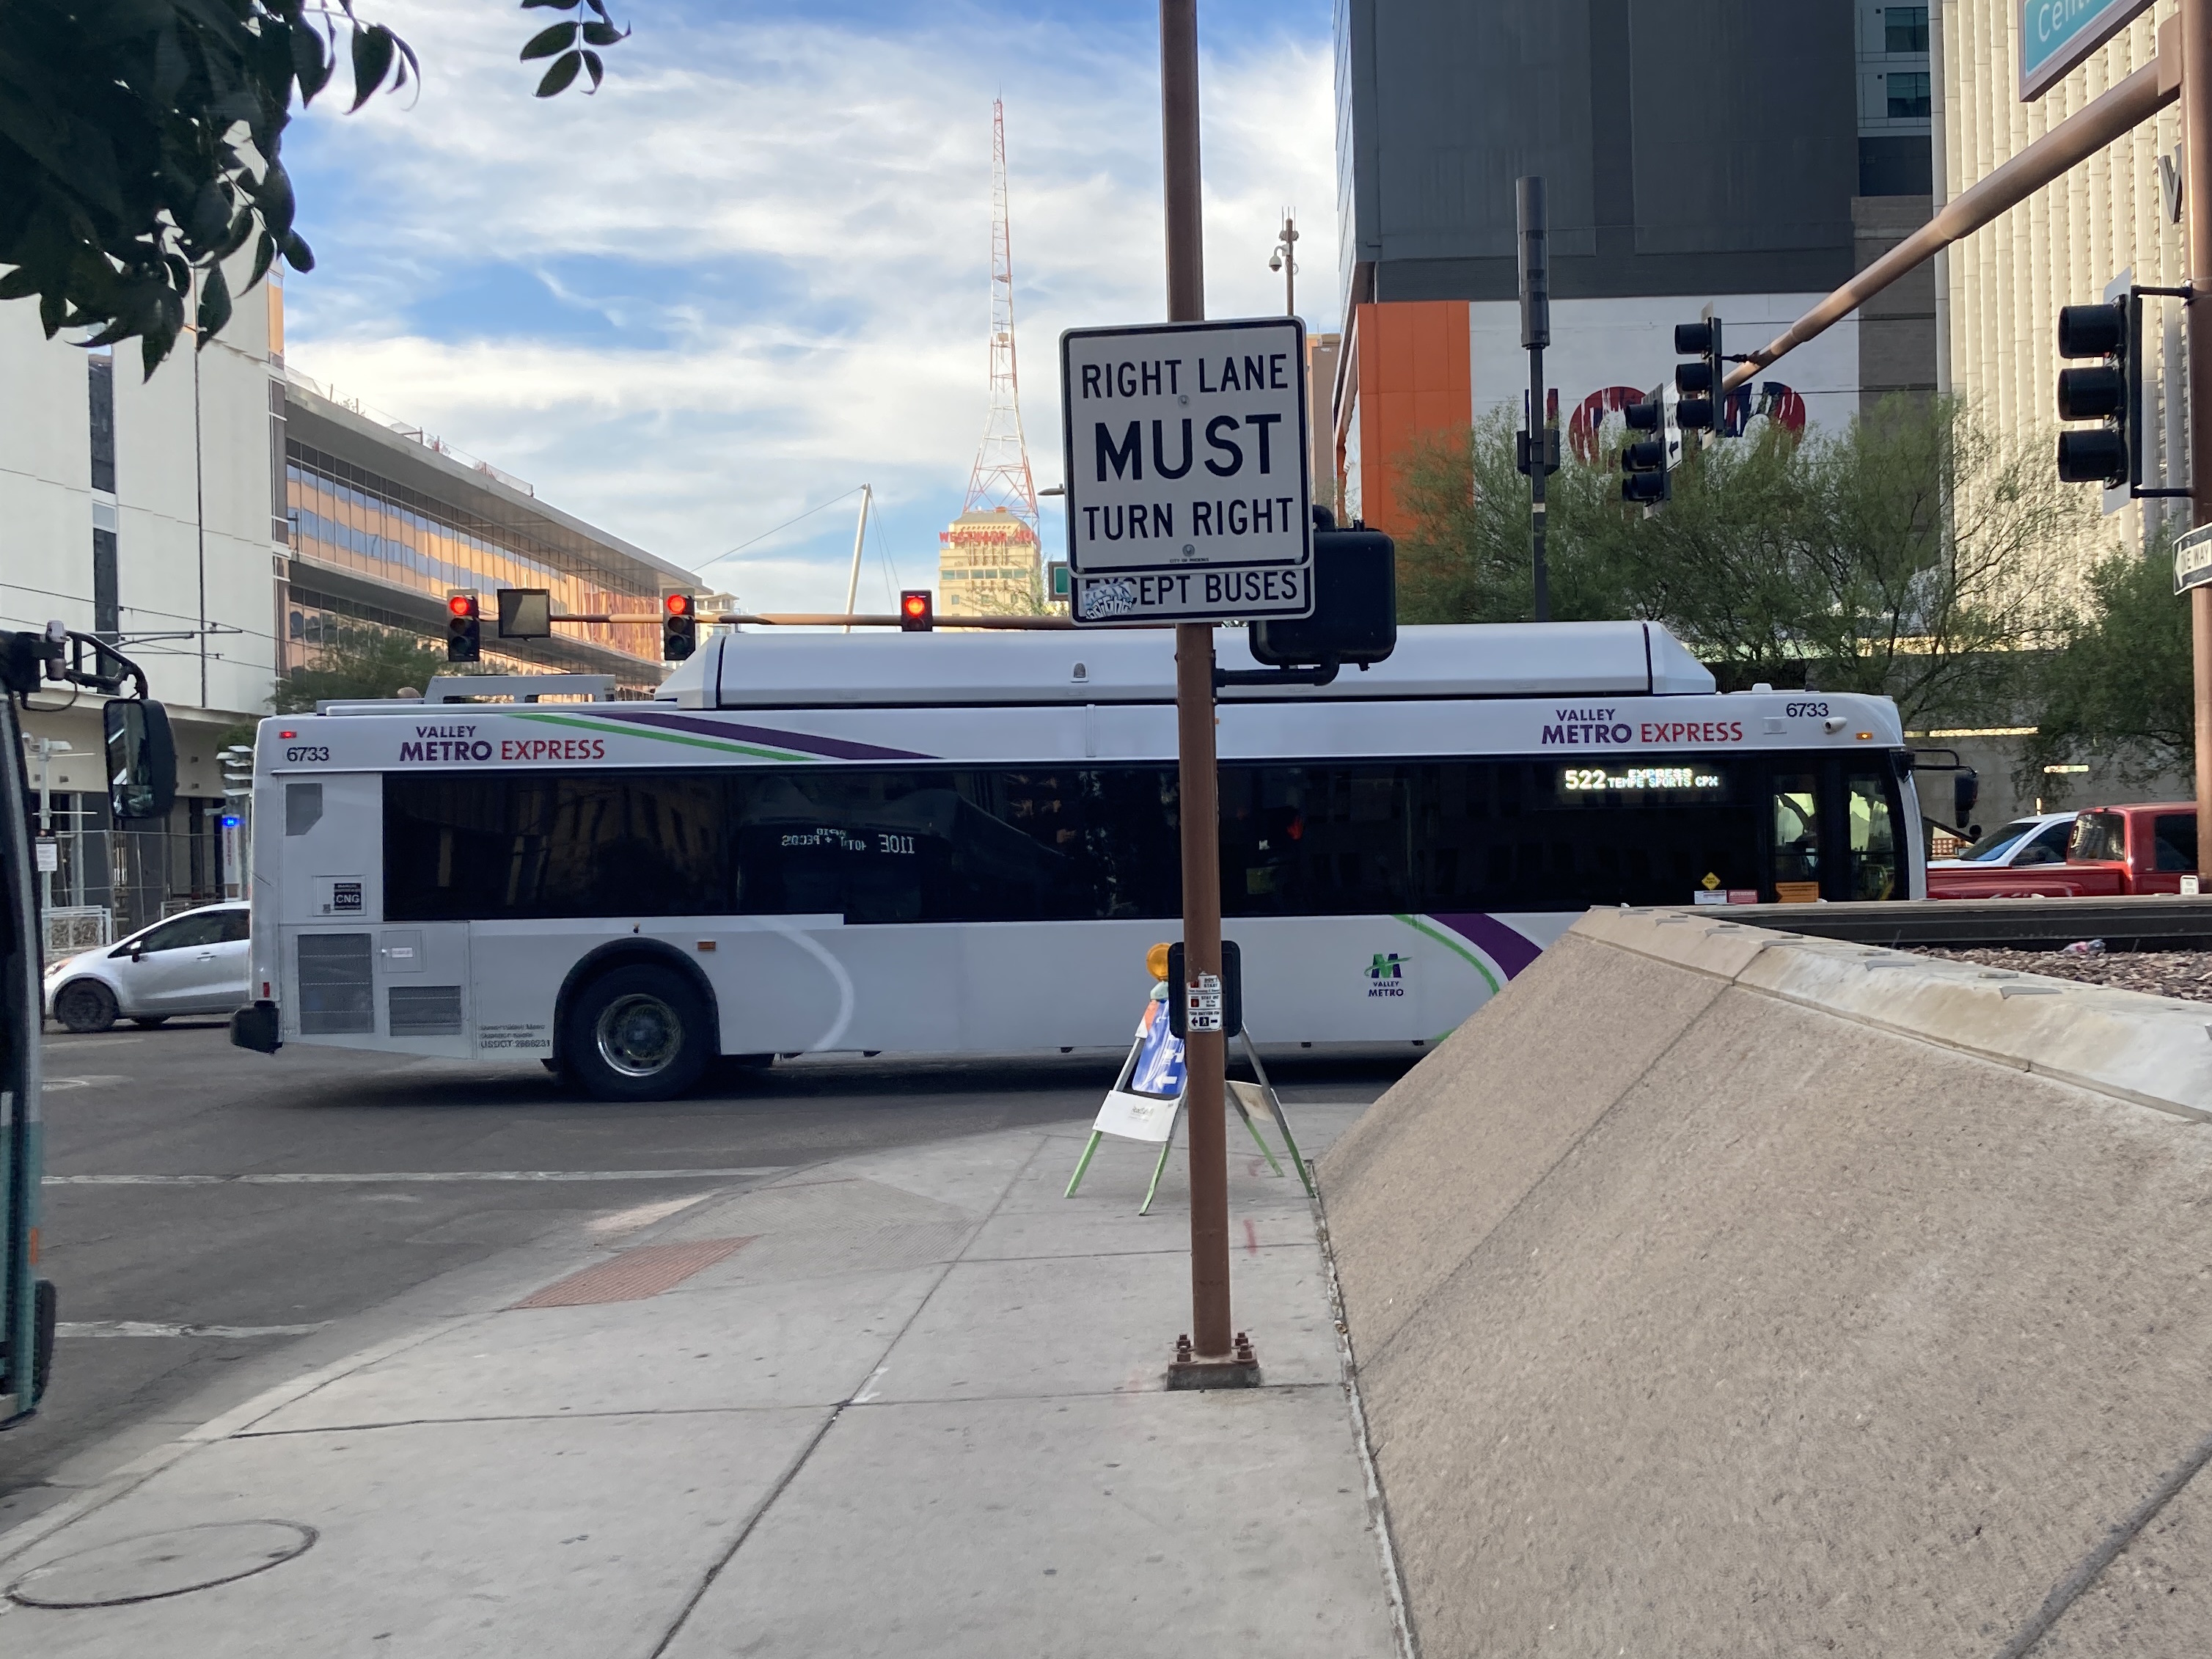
2185	974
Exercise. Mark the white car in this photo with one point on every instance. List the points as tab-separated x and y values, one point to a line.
193	964
2040	839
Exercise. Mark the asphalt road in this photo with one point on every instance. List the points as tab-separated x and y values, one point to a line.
180	1297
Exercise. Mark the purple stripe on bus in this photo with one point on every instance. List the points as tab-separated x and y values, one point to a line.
1510	951
805	743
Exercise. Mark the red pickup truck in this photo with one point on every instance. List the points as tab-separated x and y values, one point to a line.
2114	850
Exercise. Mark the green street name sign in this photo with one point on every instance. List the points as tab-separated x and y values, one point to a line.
2055	35
2192	559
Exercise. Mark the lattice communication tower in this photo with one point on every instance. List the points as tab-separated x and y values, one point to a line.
1002	482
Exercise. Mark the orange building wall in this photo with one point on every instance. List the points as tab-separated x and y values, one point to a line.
1410	362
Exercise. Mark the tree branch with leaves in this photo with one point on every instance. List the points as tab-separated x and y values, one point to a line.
2120	682
141	146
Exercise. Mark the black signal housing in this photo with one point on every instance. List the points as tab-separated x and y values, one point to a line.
464	626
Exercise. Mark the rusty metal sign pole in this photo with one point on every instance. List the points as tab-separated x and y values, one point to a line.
2197	187
1211	1353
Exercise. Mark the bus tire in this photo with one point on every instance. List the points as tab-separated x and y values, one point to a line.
85	1004
638	1032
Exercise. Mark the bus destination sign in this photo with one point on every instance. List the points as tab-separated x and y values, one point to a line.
1185	448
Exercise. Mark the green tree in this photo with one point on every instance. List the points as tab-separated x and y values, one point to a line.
2120	682
1903	556
1467	558
140	145
360	662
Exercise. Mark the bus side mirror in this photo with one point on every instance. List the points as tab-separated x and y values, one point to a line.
141	760
1355	615
1966	790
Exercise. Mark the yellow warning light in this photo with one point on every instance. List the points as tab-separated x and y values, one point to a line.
1866	737
1156	962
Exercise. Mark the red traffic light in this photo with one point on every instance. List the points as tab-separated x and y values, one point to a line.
917	611
463	628
679	626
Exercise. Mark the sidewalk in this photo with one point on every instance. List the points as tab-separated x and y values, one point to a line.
902	1405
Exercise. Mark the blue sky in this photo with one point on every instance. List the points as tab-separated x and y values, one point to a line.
753	274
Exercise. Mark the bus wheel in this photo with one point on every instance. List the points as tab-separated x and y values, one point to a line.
86	1006
638	1033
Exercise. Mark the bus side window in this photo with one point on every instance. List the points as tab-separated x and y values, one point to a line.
1796	838
1873	873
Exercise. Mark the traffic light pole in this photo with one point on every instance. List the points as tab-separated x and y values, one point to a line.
1535	335
2183	69
1210	1355
2196	195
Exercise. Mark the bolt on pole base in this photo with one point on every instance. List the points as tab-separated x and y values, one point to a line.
1239	1369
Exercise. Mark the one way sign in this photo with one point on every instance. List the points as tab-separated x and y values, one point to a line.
1185	451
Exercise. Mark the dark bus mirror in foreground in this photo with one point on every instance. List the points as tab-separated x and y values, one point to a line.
1355	616
141	759
1965	792
1966	782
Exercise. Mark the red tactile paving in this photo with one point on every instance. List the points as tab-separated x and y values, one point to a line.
635	1274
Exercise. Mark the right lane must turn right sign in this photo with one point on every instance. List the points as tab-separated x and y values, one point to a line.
1185	448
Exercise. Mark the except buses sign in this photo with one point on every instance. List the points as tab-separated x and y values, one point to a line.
1185	448
2055	35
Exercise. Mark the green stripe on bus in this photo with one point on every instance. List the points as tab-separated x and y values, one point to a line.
627	729
1453	945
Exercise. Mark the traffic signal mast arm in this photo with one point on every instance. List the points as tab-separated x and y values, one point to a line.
2182	71
840	619
2073	140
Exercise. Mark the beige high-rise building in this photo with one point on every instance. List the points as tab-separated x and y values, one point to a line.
987	565
2079	240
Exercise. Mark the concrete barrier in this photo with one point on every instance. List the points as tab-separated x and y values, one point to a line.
1714	1290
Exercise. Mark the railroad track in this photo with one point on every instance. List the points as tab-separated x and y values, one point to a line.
2161	923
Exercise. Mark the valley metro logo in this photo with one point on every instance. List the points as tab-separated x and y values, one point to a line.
1386	975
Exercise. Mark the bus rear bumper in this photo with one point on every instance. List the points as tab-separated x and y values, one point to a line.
255	1027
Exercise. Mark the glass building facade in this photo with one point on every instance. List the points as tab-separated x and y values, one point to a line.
348	517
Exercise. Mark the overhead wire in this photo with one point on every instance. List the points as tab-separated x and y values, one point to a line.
785	524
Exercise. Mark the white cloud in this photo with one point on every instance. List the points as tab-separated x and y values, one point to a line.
764	253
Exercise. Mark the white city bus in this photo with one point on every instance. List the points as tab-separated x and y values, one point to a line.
960	843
